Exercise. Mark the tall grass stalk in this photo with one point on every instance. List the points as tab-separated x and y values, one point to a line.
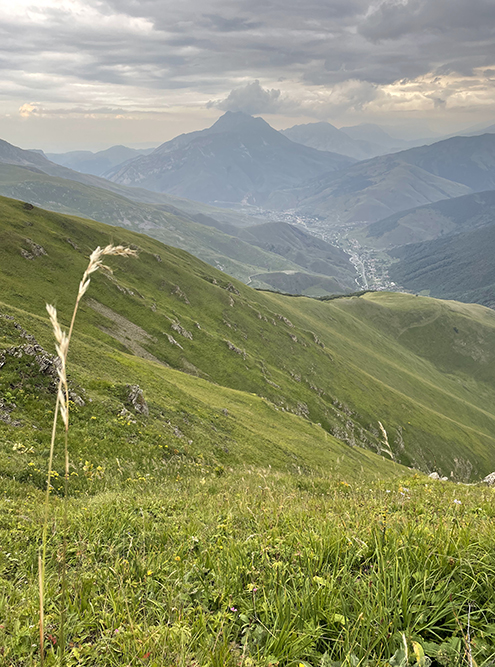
62	405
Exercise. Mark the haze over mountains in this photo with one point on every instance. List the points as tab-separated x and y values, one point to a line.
212	234
360	142
238	159
390	200
96	163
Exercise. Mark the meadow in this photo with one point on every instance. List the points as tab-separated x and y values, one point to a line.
256	512
252	567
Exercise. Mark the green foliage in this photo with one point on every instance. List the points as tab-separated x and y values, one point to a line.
247	568
228	526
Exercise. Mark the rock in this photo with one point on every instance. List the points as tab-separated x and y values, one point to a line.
136	398
36	249
71	242
172	341
489	479
176	291
434	475
235	349
176	326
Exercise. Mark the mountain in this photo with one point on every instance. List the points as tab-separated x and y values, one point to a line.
458	267
370	191
377	136
218	243
298	246
377	188
96	163
238	159
425	223
325	137
235	375
37	161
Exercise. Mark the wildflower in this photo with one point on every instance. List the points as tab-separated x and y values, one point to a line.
457	502
233	609
177	558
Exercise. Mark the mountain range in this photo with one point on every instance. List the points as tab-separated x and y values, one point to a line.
376	188
360	142
238	159
98	163
216	240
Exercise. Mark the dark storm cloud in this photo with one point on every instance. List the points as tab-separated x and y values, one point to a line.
211	46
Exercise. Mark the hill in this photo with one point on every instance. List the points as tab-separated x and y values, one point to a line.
219	243
324	371
450	216
212	520
459	266
372	190
96	163
325	137
380	187
238	159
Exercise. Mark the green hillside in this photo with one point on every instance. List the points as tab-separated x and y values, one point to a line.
235	513
459	266
425	369
425	223
217	242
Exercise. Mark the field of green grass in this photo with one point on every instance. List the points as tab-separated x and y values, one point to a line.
256	516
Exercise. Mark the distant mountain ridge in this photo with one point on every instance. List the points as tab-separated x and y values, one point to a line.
425	223
98	163
379	187
218	242
238	159
360	142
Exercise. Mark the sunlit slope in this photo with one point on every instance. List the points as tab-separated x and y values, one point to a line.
423	368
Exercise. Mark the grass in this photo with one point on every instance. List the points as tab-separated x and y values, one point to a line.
424	368
228	526
254	567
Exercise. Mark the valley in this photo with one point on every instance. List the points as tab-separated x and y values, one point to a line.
249	472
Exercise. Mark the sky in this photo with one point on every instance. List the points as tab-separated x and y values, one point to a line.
88	74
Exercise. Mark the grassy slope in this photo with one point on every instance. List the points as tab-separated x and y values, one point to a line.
252	569
222	530
166	223
457	267
458	215
344	364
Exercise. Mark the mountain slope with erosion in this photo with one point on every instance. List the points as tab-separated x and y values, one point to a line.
193	339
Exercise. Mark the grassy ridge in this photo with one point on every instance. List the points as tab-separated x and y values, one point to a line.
425	369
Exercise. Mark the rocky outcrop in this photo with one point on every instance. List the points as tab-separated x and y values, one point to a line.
489	479
135	397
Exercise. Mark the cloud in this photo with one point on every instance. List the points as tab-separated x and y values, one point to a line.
315	58
29	109
252	99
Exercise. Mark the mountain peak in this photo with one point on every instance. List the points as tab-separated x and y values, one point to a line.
235	120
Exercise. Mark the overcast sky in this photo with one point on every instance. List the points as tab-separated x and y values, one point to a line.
92	73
